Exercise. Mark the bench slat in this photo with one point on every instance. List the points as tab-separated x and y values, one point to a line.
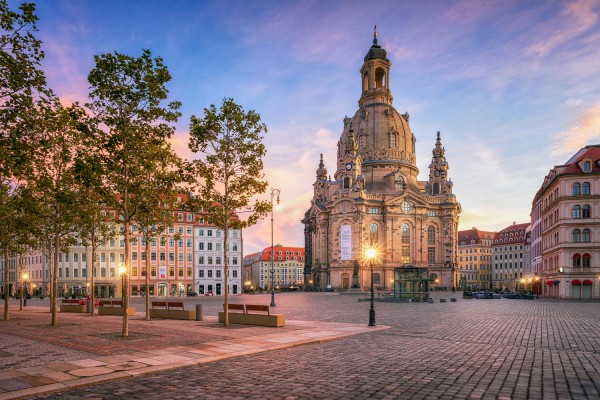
236	307
175	304
257	307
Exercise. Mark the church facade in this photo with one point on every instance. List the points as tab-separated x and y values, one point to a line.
375	199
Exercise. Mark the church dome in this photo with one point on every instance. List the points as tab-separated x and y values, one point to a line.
382	135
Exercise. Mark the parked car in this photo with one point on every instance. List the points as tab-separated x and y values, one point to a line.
209	294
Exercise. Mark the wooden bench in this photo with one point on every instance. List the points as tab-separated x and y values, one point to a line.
72	305
114	307
171	310
252	314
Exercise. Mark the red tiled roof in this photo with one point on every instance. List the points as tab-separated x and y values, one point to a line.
266	253
474	234
519	234
573	167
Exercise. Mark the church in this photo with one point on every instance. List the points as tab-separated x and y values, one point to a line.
375	200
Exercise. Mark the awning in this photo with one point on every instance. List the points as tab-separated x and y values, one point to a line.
576	282
556	282
587	282
549	282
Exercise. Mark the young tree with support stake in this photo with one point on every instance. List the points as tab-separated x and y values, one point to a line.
230	164
127	98
157	212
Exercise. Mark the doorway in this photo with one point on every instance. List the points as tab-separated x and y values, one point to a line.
163	289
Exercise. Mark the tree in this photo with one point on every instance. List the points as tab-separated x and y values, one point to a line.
52	181
127	98
15	232
230	151
22	84
156	211
94	232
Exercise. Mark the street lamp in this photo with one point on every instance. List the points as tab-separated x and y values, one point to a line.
24	277
370	255
123	273
273	193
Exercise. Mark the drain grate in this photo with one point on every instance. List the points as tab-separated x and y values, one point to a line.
5	354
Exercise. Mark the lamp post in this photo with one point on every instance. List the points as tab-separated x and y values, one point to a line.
24	277
273	193
123	273
370	255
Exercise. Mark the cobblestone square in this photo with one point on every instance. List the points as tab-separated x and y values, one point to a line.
490	349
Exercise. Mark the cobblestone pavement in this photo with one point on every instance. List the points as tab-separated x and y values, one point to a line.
490	349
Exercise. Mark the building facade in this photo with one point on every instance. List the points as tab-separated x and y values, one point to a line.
287	267
210	257
375	199
475	259
183	258
570	227
511	258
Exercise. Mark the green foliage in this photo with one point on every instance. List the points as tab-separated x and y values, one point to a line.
230	166
127	98
22	84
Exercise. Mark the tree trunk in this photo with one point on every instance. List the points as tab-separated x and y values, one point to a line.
225	271
125	288
147	251
54	298
92	295
6	285
20	269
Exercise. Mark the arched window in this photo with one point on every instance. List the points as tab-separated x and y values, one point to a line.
587	166
362	141
576	260
379	78
399	183
576	189
346	183
585	235
376	279
576	236
393	138
431	235
365	86
436	188
585	211
405	243
576	212
585	189
586	260
373	233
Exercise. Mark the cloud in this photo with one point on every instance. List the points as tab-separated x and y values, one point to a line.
584	133
573	102
576	18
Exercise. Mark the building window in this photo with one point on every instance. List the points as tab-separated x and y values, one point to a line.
431	235
393	140
576	212
585	236
431	255
373	233
362	141
376	279
171	271
346	183
209	273
200	245
586	261
576	189
399	183
577	260
587	166
576	236
201	273
585	189
585	211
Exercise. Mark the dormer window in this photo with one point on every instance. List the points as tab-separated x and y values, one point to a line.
399	183
587	166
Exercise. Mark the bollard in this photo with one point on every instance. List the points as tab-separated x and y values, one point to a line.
430	300
453	299
198	312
